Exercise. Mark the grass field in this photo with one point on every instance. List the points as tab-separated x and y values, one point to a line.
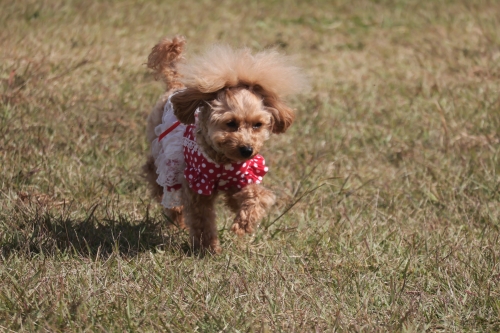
388	215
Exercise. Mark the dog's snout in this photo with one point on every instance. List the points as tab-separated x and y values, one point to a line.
246	151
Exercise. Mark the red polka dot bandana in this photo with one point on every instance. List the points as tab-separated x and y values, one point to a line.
205	177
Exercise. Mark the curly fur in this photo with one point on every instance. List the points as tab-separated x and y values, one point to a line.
163	60
241	101
222	66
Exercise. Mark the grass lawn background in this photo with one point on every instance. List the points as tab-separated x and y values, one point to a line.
388	183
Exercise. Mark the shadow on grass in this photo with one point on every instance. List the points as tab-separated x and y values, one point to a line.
92	237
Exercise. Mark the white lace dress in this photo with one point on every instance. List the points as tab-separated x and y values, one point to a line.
169	157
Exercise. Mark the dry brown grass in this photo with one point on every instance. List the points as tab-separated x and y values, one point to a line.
389	181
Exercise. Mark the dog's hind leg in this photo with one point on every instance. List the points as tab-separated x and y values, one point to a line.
250	204
149	170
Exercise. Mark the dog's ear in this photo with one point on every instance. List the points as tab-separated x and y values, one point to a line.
185	103
283	116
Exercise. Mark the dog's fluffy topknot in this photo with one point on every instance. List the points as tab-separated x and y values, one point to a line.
222	67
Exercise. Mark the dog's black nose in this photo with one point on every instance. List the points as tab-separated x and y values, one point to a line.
246	151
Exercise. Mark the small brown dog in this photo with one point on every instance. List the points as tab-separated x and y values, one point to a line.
207	129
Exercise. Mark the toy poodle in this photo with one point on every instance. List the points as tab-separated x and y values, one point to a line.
206	132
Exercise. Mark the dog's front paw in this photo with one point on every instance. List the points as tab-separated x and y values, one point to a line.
242	226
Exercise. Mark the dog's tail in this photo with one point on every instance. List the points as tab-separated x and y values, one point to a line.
163	60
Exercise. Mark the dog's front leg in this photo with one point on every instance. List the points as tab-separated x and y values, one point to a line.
250	204
199	217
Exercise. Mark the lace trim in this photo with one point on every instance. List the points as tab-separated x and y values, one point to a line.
194	147
191	145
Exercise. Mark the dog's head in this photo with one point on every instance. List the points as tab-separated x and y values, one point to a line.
239	97
234	121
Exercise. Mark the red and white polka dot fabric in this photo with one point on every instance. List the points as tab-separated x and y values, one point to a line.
205	177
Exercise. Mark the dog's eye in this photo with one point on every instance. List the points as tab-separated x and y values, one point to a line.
232	124
257	125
